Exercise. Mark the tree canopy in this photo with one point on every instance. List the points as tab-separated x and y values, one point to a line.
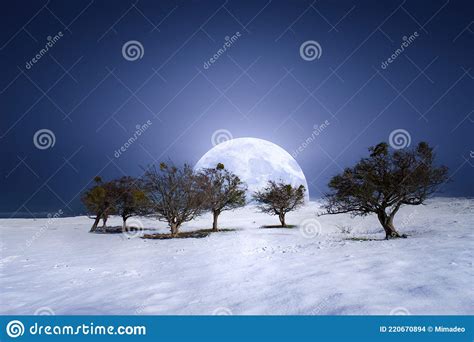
223	190
279	198
385	181
174	194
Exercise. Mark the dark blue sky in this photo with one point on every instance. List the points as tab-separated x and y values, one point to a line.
91	98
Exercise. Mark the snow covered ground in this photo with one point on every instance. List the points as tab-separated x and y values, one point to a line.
56	266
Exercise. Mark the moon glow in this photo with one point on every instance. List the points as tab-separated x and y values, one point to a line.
255	161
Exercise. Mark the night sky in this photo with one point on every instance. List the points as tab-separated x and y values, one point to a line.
89	93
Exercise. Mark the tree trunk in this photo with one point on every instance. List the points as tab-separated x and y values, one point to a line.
124	224
174	228
104	221
215	214
96	223
282	219
387	224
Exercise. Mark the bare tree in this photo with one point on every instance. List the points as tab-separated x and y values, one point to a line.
129	198
222	189
99	202
278	198
384	182
174	194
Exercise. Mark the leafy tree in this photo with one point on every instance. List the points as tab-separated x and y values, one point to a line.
129	198
174	194
384	182
278	198
222	189
99	202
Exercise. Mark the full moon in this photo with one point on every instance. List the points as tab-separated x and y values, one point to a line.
255	161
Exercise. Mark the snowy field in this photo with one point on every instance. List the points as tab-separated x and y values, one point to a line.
58	267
